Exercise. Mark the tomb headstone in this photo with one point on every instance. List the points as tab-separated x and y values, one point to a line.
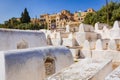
70	36
80	38
56	40
85	28
105	33
105	28
105	43
96	26
92	45
67	28
115	31
116	25
81	28
99	45
86	45
112	45
70	41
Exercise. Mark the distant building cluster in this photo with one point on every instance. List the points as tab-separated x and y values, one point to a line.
60	20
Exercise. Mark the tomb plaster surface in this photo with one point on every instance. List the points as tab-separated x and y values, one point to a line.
114	75
86	69
29	64
11	39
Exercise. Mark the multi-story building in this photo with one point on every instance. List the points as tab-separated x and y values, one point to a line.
79	16
57	20
60	20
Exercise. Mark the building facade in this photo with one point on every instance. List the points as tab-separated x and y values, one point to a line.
60	20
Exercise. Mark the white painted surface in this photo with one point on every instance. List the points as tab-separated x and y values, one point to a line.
80	38
86	45
86	69
86	53
67	28
10	38
56	41
68	42
75	53
115	31
28	64
106	54
2	66
99	45
112	45
114	75
85	28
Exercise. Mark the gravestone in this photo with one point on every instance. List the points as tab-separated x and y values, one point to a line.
96	26
80	38
70	41
13	39
86	45
70	36
67	28
35	63
81	28
99	45
56	39
105	28
85	28
105	43
85	69
116	25
115	31
92	45
105	33
112	45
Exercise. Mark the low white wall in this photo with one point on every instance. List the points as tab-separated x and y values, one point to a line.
2	66
106	69
106	54
82	36
29	64
56	41
86	53
75	53
114	75
11	38
68	42
86	69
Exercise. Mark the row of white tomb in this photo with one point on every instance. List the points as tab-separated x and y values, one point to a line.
101	38
98	44
25	55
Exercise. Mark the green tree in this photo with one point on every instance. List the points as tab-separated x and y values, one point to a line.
113	14
25	18
91	18
11	23
2	26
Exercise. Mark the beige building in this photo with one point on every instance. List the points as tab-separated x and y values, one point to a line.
60	20
79	16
